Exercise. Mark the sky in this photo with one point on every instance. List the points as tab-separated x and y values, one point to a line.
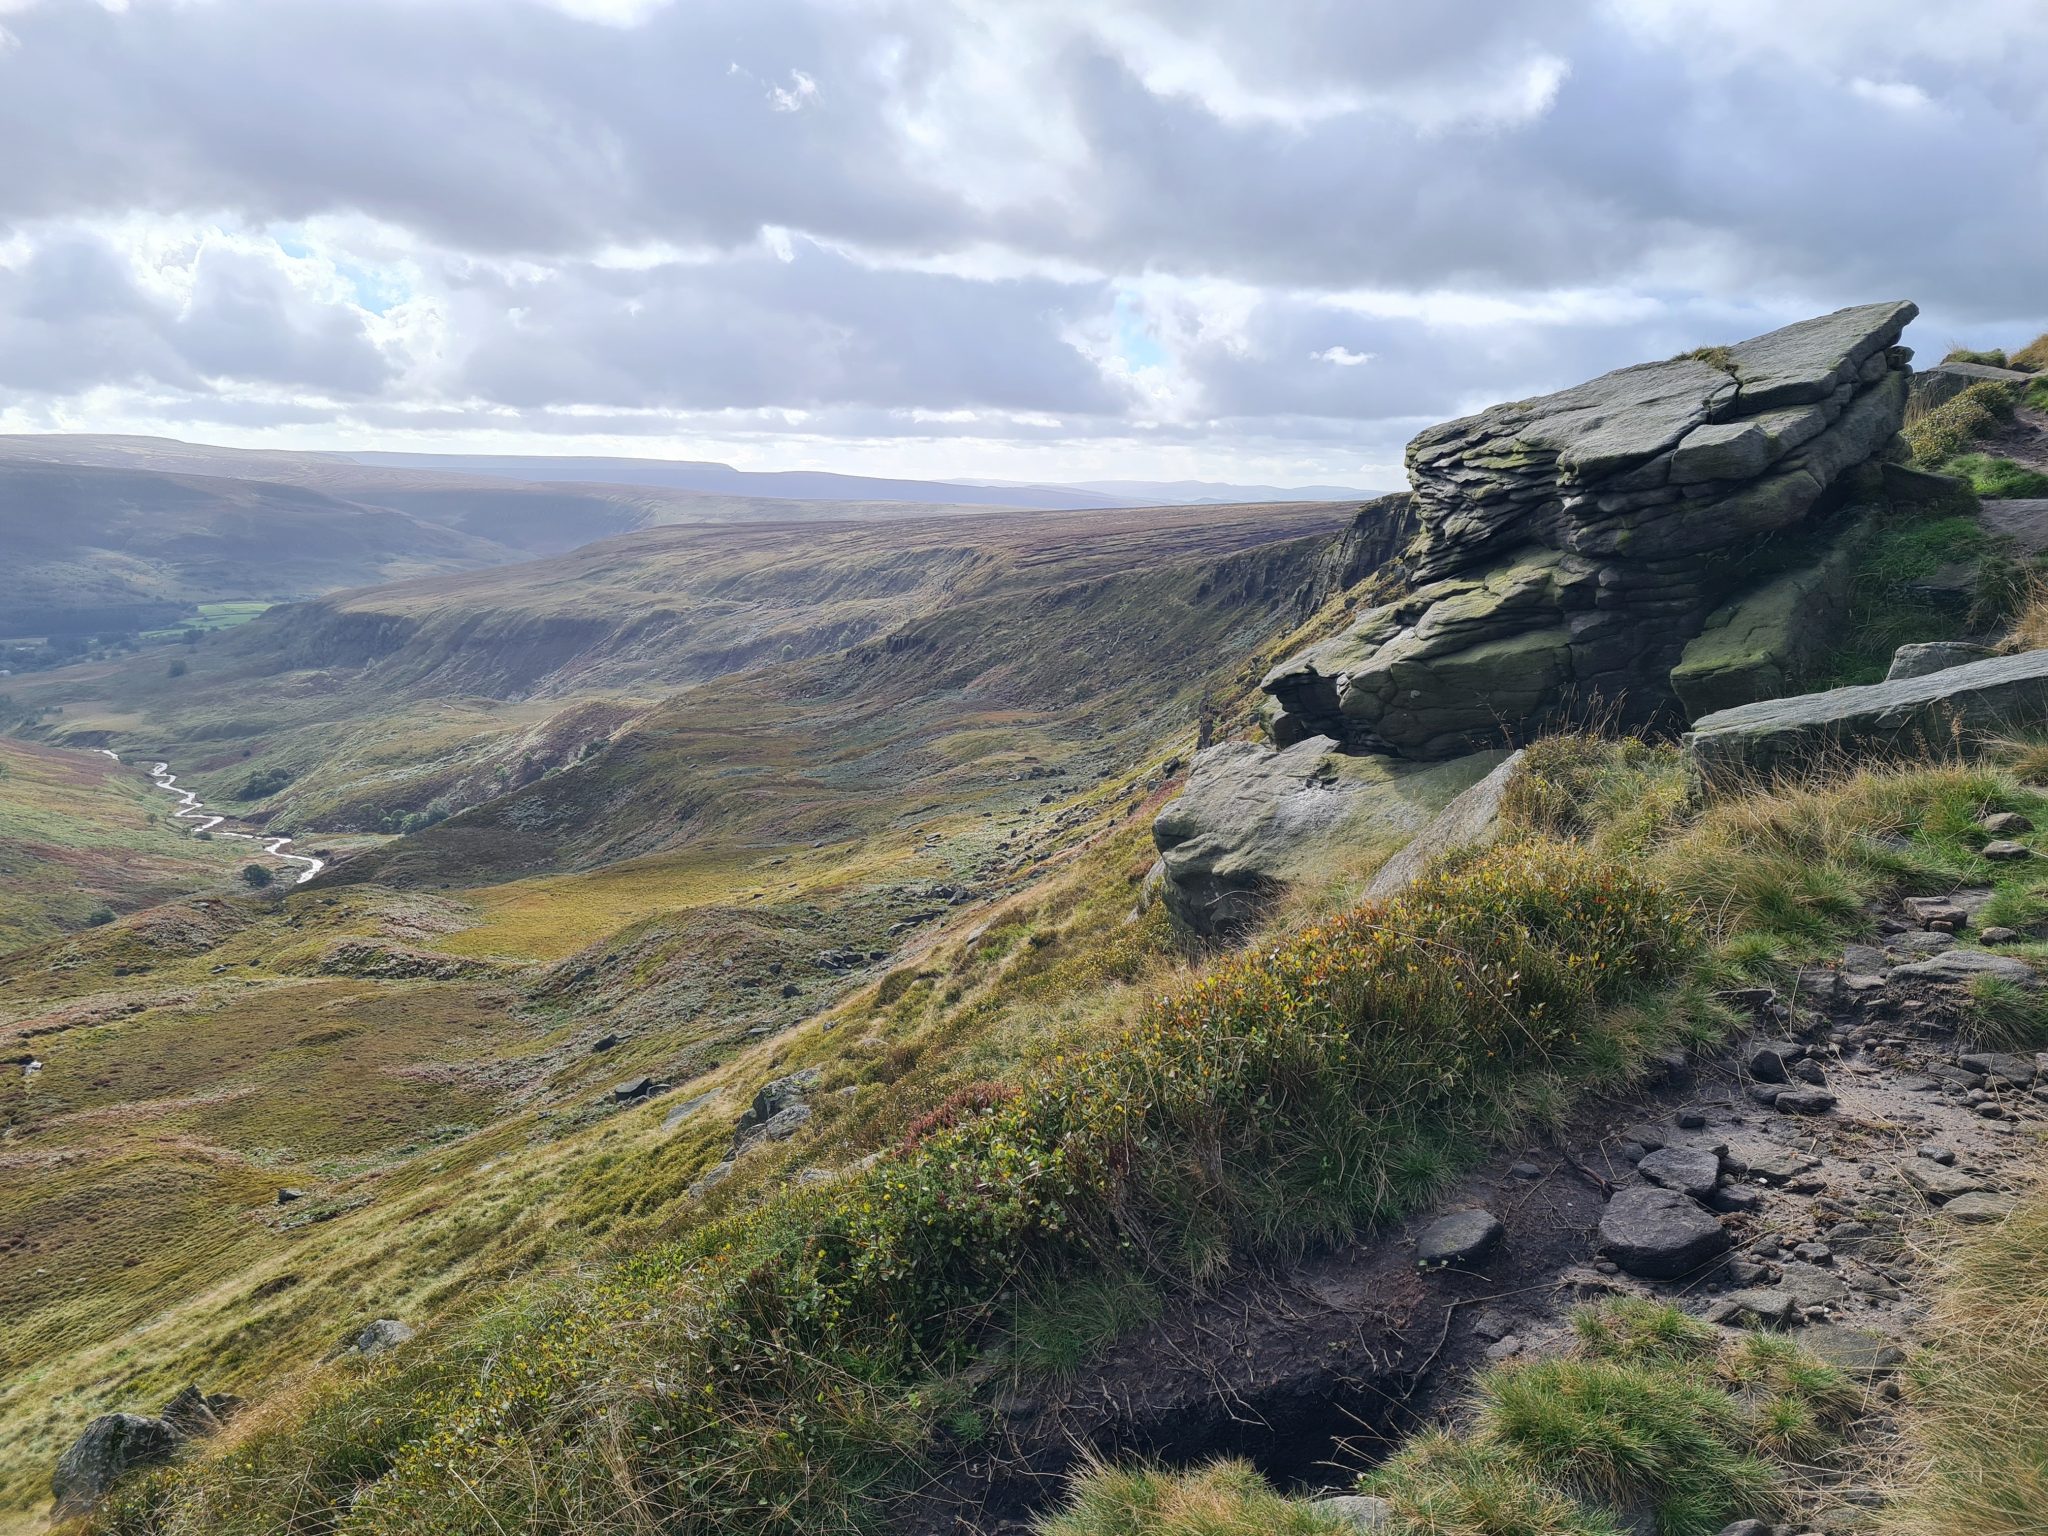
980	239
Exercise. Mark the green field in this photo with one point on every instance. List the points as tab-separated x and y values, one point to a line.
212	616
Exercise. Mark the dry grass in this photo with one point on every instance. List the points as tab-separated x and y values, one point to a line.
1976	1435
2033	357
2029	631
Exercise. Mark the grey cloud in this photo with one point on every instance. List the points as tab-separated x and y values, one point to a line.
1729	179
73	316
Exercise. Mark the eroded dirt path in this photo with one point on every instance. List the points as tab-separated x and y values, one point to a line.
1316	1372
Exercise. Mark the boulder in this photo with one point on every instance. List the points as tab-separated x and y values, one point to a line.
1924	494
387	1333
1572	546
1959	967
1460	1237
1659	1233
1252	820
192	1413
1981	1209
1688	1170
1910	717
1939	1182
112	1445
1944	381
1932	656
1470	822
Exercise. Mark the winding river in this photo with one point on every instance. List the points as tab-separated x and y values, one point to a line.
192	808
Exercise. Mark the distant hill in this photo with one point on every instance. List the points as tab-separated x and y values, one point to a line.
115	533
117	549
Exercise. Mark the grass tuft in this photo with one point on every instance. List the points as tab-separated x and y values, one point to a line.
1938	433
1994	478
1975	1438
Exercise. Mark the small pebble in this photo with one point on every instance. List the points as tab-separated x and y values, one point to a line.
1691	1119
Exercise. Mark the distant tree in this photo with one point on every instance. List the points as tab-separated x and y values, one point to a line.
175	669
98	917
255	876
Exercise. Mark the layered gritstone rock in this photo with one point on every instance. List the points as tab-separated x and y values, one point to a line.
1573	547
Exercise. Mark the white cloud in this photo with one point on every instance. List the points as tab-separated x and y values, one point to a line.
1343	357
795	96
1899	95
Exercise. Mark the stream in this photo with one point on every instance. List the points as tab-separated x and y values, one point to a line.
192	808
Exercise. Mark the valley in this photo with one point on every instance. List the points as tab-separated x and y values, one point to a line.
868	967
433	1045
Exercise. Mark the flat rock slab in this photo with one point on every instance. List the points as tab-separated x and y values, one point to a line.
1768	1161
1459	1237
1980	1209
1691	1171
1939	1183
1252	820
1470	821
1959	967
2003	1065
1854	1351
1911	716
1659	1233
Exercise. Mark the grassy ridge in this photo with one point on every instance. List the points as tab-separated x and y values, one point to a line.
797	1341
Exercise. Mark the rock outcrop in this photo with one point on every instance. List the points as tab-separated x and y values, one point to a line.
113	1444
1253	820
1909	717
1573	546
1470	822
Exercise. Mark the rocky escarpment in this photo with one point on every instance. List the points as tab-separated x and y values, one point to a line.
1654	546
1574	546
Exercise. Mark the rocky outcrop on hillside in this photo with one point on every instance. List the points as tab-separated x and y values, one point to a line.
115	1444
1252	821
1909	716
1656	545
1573	547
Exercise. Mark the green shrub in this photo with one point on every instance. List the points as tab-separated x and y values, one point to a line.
1618	793
1994	358
1997	478
1943	431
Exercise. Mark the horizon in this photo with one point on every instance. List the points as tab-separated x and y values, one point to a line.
1051	244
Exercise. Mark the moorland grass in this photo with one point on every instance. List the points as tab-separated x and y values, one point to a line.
1286	1097
1975	1440
2033	357
1938	433
1996	478
787	1366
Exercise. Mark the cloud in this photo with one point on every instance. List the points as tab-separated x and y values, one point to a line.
909	225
